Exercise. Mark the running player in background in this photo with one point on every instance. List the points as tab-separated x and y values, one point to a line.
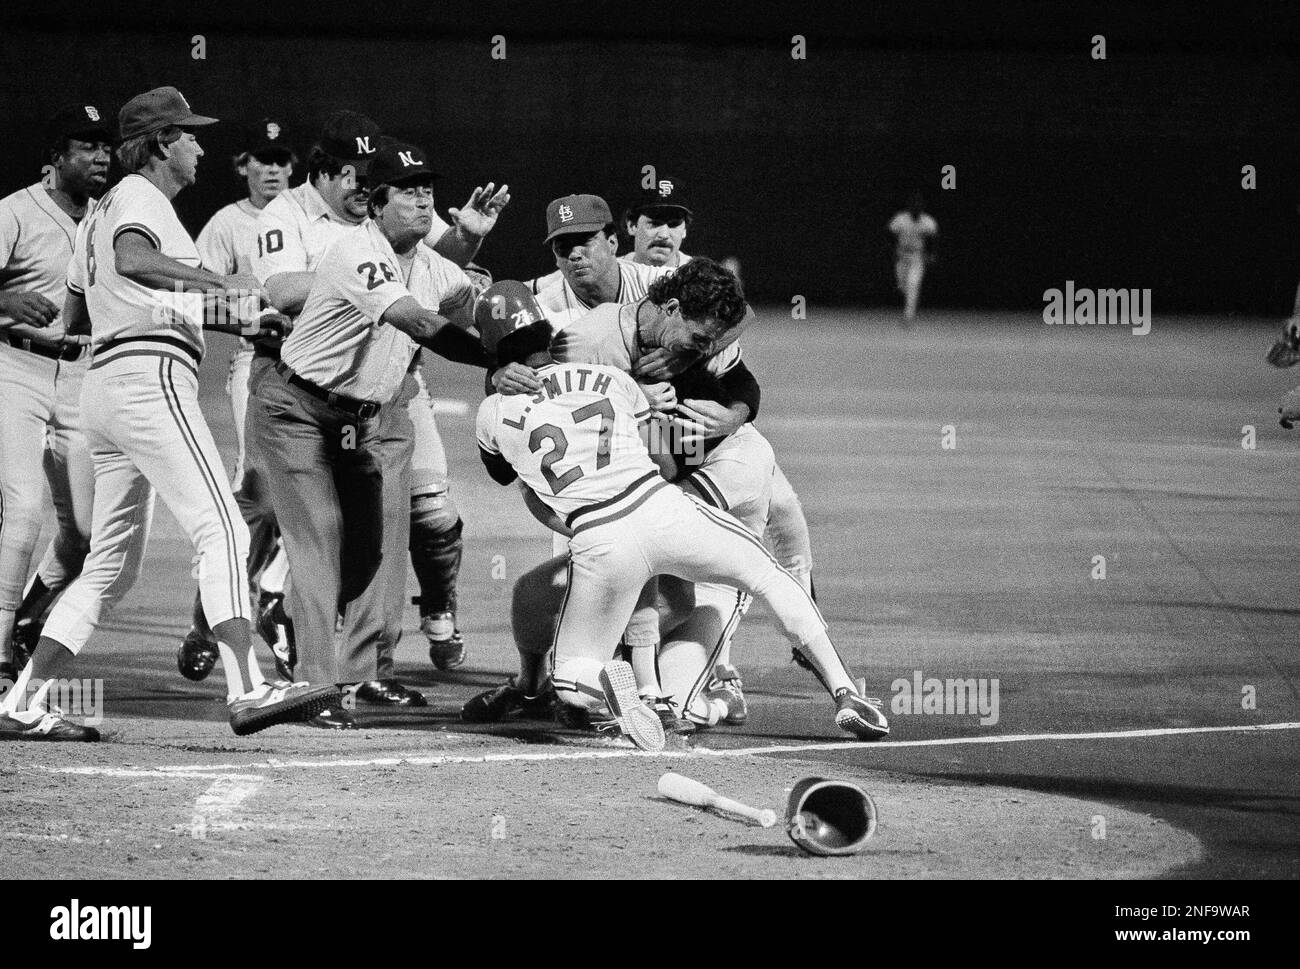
913	229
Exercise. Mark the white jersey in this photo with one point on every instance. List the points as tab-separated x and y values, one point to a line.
120	307
576	442
36	243
608	336
562	305
912	232
229	240
293	232
339	342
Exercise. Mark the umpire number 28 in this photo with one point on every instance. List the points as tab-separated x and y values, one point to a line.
560	444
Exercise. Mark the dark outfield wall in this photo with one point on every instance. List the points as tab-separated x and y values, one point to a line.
1118	173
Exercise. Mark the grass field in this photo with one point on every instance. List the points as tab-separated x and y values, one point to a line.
1157	705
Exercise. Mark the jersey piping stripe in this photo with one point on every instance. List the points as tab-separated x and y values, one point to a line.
622	512
728	630
605	503
115	354
707	483
144	230
697	490
50	215
731	525
168	384
559	616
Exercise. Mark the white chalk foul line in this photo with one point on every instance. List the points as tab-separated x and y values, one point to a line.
215	807
440	760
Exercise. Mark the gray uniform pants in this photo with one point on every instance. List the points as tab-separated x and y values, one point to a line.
340	488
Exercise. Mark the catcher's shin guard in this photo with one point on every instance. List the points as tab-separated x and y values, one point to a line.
435	552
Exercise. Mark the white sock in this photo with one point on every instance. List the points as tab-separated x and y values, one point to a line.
7	618
257	680
13	700
234	677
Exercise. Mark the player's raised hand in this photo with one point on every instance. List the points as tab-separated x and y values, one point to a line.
661	364
33	309
515	378
480	213
707	417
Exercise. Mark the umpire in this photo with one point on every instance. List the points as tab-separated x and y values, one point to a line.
335	419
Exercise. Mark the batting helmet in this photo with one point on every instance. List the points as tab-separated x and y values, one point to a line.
825	817
503	308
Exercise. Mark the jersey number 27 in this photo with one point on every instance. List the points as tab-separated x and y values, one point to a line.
560	444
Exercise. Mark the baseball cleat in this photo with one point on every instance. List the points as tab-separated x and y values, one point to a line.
674	725
636	718
726	686
446	645
280	702
276	629
860	716
493	706
196	656
39	725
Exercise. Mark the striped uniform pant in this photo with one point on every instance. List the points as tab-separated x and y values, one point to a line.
656	529
147	438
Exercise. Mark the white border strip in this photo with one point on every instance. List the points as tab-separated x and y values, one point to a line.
439	760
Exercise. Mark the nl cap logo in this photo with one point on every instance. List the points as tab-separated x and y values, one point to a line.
407	160
363	145
566	214
91	113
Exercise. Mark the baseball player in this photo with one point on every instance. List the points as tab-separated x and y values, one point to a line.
913	229
42	366
576	445
336	437
657	222
136	278
226	244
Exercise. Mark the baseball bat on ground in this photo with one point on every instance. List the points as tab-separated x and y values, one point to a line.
680	788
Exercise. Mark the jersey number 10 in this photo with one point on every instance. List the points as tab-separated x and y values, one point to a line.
560	444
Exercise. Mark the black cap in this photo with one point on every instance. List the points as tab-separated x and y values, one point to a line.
352	138
80	121
666	194
397	163
267	135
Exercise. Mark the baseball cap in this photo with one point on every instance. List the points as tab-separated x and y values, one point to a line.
76	121
397	163
267	135
351	138
155	110
576	213
665	194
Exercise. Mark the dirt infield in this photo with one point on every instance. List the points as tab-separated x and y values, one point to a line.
976	562
120	811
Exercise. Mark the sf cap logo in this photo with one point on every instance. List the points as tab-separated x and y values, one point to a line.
272	131
665	188
91	113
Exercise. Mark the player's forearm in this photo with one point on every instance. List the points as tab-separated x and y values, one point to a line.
287	292
143	264
436	333
458	245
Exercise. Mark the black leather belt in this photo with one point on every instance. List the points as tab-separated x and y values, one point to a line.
364	409
51	351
